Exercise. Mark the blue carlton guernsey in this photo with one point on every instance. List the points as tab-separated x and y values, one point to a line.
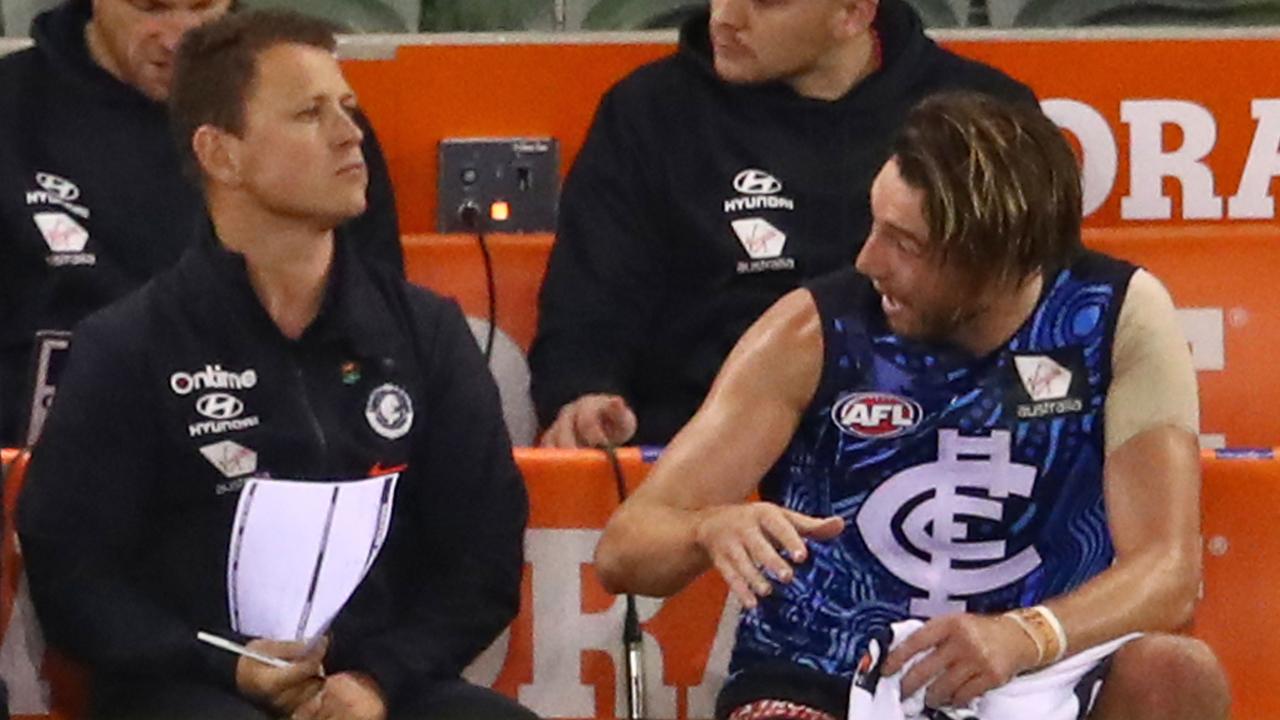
967	484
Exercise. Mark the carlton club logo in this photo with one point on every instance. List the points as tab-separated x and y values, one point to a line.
916	523
389	411
876	415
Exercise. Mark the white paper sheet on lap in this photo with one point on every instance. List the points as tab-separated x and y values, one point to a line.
299	549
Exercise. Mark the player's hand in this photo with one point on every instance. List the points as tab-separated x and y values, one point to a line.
346	696
747	542
283	689
971	654
592	421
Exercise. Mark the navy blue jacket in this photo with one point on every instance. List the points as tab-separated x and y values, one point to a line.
174	395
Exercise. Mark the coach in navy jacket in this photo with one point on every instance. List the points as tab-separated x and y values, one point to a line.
273	350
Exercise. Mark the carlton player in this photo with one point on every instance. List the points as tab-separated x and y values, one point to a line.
986	427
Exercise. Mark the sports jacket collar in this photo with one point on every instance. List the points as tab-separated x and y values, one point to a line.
354	312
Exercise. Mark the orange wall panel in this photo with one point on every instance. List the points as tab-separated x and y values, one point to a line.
1229	270
453	265
432	92
1218	75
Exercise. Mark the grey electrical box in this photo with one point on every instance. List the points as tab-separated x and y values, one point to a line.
510	184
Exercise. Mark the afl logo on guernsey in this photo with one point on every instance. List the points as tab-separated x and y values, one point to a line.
875	415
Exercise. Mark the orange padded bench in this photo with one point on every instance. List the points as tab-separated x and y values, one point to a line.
562	653
1242	579
453	265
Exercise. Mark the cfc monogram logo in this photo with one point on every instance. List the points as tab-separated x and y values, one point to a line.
928	546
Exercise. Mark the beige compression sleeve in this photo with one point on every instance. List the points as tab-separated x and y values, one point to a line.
1153	382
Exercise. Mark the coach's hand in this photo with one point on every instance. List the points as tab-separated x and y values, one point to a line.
346	696
971	655
283	689
746	541
592	421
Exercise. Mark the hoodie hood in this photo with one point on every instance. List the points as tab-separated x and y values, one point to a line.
59	38
902	45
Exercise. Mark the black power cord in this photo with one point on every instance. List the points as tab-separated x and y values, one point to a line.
632	638
469	213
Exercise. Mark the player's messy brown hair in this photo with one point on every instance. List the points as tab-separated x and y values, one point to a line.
1001	185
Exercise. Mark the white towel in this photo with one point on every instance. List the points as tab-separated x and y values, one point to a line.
1047	694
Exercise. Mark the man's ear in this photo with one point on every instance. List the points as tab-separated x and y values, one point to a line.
859	16
218	153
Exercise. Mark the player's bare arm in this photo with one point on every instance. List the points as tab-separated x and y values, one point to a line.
1151	480
692	512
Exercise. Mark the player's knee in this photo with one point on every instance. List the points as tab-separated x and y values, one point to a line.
1169	676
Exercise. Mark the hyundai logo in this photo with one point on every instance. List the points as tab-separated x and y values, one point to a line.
756	182
59	187
219	406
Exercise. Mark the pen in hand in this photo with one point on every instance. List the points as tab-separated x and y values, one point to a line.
235	647
276	673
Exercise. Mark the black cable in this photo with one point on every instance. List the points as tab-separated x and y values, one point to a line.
491	288
469	213
619	479
632	637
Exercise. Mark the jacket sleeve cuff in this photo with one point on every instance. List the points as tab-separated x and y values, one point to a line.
396	674
393	678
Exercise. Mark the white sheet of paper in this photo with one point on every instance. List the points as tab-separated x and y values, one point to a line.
299	549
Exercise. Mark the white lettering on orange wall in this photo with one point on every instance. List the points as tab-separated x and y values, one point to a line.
702	699
1205	331
1101	161
1253	199
1150	163
562	632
